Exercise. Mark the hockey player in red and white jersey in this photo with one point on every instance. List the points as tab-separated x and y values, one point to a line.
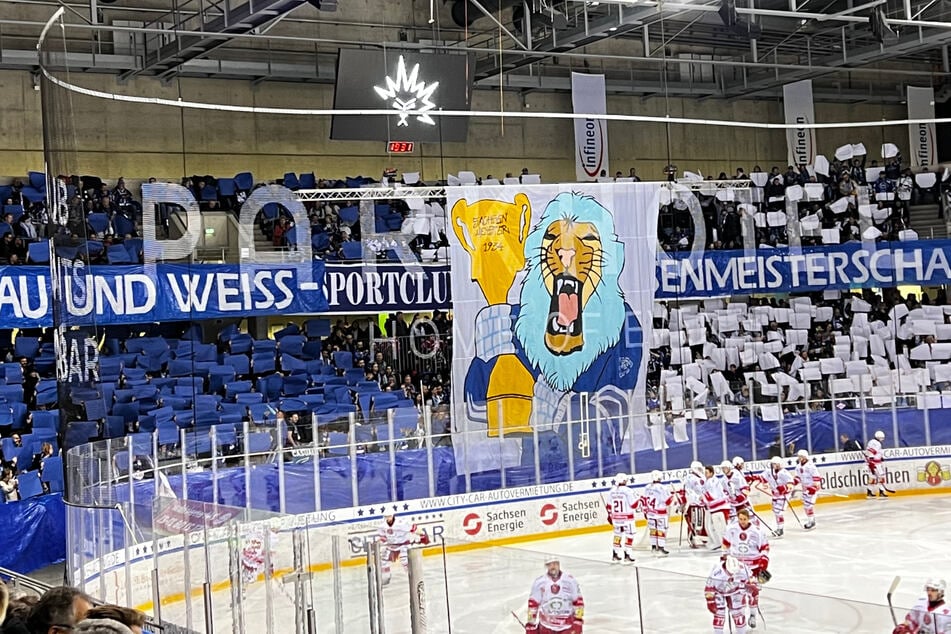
930	614
622	504
729	587
807	477
397	535
748	542
780	485
874	459
716	497
555	605
693	506
656	500
739	486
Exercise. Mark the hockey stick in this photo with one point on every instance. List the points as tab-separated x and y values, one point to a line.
761	521
793	511
888	597
518	620
885	480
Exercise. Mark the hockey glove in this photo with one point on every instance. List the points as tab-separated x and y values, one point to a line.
711	603
763	576
576	626
531	628
424	539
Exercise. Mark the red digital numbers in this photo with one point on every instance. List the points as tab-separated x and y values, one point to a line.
400	147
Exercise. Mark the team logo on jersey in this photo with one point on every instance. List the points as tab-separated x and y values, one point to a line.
472	524
555	588
549	514
743	537
933	473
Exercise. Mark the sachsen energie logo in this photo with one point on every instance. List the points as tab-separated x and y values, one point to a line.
549	514
472	524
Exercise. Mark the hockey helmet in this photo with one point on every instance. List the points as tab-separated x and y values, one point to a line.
935	584
726	465
879	435
552	559
738	462
656	476
776	460
696	466
621	477
731	564
802	453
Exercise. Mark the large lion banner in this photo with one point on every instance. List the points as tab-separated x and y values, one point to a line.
552	288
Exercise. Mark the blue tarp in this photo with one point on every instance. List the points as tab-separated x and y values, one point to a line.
412	479
34	533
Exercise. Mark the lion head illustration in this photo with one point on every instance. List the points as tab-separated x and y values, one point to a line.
572	308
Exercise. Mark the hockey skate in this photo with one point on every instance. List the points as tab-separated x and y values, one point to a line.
869	494
752	621
663	552
882	494
778	532
615	558
809	526
628	559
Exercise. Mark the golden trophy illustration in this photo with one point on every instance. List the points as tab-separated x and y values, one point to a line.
494	232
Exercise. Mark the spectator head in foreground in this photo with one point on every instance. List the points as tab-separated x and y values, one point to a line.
130	617
58	610
100	626
4	601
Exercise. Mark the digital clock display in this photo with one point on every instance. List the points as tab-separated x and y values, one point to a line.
400	147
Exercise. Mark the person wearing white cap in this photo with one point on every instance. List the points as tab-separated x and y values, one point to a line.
656	501
729	587
807	476
622	503
930	614
555	605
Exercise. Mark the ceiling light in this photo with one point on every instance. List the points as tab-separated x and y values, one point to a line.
613	28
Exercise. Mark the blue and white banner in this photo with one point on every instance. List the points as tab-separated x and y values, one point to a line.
842	266
103	295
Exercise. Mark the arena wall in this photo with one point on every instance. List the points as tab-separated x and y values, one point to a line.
115	139
463	521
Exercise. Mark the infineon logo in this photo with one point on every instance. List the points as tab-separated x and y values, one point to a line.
471	524
549	514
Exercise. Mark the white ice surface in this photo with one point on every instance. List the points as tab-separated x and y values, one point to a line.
830	580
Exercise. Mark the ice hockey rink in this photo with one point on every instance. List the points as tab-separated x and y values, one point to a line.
829	580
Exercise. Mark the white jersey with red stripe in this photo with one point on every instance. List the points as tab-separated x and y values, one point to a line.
556	603
926	619
622	503
693	487
398	535
739	489
656	498
716	493
779	482
750	545
874	454
808	476
724	584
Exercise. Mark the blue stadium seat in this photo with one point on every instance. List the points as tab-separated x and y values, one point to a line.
349	215
53	474
11	393
46	419
240	362
234	388
98	222
79	433
343	359
295	385
219	376
123	226
258	442
244	181
293	365
308	181
26	346
352	250
240	344
37	180
291	181
271	386
208	194
29	485
117	254
38	252
226	187
135	247
262	363
249	398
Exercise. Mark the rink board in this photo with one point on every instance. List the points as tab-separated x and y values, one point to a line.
464	521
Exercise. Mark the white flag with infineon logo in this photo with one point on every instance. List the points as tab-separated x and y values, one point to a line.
591	135
798	106
921	136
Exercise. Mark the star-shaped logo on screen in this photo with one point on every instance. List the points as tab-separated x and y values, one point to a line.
408	94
